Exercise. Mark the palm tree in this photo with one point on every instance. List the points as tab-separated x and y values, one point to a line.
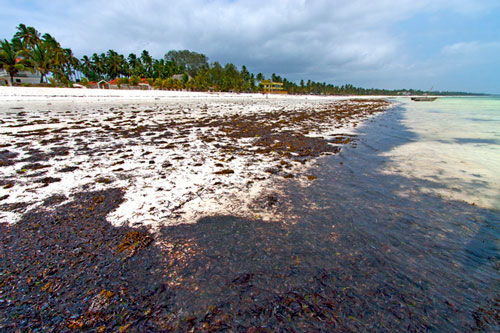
114	64
98	65
72	64
42	59
9	59
161	69
86	67
18	44
29	36
58	52
147	61
133	63
47	57
124	70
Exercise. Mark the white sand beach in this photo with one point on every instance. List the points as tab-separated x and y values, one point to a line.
177	155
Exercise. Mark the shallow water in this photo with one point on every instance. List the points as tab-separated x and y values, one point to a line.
405	230
456	144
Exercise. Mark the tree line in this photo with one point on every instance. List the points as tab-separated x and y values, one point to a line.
178	69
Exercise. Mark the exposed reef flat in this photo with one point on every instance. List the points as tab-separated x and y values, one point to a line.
176	160
104	206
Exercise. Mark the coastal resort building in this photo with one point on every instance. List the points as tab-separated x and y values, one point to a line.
20	77
270	87
144	86
113	84
103	84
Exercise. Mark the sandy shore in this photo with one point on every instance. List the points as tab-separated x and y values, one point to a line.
112	209
178	156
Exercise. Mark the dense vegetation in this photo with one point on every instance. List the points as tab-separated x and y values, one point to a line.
29	50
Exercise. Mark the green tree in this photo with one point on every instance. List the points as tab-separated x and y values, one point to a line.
168	84
147	62
114	64
43	60
177	84
10	61
162	69
232	79
188	61
134	64
158	83
98	66
134	80
29	36
47	57
87	68
71	64
201	81
216	75
84	82
276	78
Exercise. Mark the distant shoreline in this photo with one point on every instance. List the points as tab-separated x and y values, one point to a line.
37	93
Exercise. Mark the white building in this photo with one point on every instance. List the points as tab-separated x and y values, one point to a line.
20	77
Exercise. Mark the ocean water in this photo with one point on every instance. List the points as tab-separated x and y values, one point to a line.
414	207
456	146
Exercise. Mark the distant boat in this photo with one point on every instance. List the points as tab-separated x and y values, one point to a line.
423	99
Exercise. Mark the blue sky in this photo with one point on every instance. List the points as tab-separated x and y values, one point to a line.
452	45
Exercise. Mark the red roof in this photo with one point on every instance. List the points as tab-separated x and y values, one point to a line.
115	81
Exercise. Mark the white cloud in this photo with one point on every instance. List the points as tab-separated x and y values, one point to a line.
322	40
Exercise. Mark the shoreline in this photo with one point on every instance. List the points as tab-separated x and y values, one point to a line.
117	214
180	158
8	93
356	257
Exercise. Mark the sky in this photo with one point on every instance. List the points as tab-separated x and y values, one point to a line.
451	45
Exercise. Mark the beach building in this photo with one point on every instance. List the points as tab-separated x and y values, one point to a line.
20	77
270	87
103	84
113	84
144	86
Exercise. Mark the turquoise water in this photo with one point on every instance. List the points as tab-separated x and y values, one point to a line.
456	144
